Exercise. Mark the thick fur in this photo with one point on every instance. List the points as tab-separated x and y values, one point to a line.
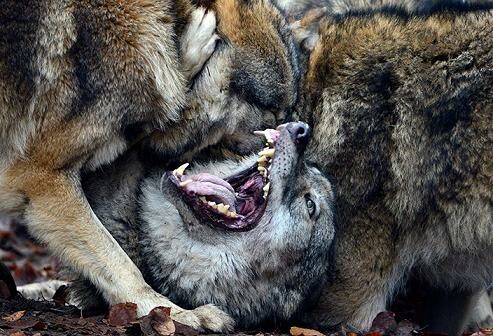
298	8
80	82
305	15
402	115
264	274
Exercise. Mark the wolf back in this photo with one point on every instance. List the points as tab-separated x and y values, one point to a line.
402	115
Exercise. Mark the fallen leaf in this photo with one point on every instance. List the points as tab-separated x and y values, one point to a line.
158	323
184	330
17	333
296	331
374	333
20	324
122	314
384	323
15	316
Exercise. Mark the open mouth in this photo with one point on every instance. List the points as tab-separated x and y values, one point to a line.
236	202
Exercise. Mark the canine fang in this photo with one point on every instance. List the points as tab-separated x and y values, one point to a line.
180	170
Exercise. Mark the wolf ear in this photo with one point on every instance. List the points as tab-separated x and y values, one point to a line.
306	29
304	17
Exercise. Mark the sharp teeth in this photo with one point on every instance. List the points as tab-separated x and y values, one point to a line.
269	152
212	204
264	134
262	159
266	190
203	199
232	214
223	208
180	170
262	171
184	183
266	187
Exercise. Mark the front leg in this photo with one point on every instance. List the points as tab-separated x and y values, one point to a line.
364	273
450	310
58	213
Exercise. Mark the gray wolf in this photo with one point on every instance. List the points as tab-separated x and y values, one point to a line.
254	238
81	82
402	113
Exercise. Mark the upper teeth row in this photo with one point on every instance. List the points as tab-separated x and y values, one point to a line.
266	190
222	208
266	155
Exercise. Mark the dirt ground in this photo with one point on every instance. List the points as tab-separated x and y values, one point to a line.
27	261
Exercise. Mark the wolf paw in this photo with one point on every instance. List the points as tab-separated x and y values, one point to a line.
198	41
207	317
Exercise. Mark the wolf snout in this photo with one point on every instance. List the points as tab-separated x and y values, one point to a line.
300	133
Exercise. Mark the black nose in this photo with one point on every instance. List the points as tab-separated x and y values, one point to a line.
300	132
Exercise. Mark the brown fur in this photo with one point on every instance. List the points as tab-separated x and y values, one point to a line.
402	116
80	81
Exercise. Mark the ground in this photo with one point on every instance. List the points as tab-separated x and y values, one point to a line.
29	262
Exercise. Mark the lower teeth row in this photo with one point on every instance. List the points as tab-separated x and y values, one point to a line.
222	208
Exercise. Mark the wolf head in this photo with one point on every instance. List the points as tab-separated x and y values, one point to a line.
249	82
254	238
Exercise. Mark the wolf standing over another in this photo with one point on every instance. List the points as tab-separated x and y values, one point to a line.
402	115
81	80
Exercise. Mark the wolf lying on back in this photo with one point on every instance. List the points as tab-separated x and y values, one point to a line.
80	83
256	243
402	115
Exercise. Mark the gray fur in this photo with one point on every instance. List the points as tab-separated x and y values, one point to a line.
265	274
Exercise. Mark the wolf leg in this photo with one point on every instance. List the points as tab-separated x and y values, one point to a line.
482	314
58	213
365	273
449	311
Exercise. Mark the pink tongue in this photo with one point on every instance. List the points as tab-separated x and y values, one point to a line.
213	187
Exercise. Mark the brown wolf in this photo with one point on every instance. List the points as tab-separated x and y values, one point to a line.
80	81
402	114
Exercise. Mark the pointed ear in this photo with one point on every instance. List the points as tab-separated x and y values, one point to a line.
306	29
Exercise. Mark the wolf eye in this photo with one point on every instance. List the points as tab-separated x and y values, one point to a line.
310	205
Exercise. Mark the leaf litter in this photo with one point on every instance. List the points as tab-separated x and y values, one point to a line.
30	262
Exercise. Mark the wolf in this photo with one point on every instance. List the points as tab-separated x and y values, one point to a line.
254	238
305	15
82	82
402	113
297	9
